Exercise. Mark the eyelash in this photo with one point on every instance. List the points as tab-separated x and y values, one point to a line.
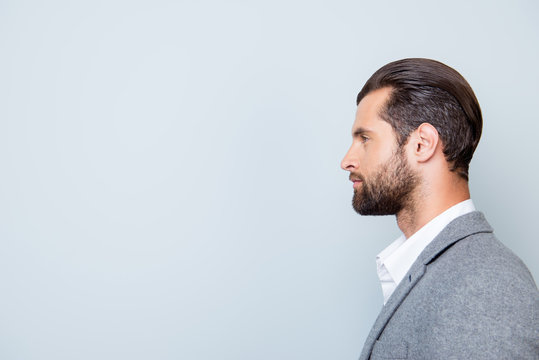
363	139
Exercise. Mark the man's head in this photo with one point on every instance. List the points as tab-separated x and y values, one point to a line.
427	91
418	99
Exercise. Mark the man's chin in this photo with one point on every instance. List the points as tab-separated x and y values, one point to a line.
363	207
359	205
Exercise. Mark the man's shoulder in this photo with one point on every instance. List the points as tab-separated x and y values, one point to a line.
468	256
481	257
476	299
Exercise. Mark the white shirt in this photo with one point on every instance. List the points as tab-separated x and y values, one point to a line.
394	261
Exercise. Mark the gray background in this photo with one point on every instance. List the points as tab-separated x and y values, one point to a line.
170	184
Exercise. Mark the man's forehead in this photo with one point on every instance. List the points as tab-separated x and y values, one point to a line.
368	110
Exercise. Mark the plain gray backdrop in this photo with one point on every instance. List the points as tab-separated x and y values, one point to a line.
169	170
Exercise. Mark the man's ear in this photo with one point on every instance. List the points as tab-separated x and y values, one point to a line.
425	142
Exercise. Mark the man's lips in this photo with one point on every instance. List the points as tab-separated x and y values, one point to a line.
356	181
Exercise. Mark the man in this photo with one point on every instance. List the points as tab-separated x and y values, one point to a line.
451	289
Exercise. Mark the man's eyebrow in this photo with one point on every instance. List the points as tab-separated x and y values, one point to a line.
360	131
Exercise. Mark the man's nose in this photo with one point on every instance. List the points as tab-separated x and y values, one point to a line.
350	161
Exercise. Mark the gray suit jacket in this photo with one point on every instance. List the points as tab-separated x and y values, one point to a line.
466	297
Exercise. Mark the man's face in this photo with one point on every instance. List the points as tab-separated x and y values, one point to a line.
383	180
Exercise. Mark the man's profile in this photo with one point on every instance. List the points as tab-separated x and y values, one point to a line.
451	289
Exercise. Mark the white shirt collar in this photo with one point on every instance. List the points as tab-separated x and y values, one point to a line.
394	261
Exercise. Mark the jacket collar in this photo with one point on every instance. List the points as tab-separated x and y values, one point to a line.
458	229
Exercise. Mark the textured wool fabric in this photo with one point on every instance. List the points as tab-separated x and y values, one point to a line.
466	297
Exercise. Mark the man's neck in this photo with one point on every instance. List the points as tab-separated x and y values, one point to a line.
425	208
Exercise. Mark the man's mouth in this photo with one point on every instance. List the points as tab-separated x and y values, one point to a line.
356	181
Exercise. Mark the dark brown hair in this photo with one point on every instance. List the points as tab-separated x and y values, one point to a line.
427	91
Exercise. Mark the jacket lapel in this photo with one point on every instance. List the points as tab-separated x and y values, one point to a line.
456	230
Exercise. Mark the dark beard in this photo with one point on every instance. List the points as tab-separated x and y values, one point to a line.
388	191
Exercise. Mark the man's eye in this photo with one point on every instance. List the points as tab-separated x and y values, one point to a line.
364	139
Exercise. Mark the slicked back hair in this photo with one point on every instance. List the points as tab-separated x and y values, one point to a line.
427	91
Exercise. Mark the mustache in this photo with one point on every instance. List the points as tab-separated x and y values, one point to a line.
355	177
